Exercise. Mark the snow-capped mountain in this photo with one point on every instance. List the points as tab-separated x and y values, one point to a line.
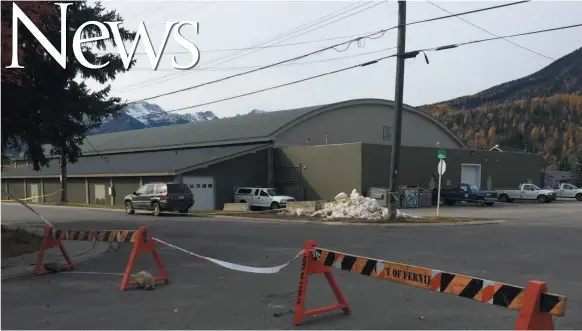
255	111
141	115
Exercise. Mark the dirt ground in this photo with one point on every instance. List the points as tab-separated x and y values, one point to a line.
16	242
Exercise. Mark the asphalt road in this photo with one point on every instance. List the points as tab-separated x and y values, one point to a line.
205	296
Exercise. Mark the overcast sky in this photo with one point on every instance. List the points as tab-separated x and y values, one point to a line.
241	24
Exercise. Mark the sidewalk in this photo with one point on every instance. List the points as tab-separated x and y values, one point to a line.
79	251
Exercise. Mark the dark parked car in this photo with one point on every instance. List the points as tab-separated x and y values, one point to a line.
159	197
468	193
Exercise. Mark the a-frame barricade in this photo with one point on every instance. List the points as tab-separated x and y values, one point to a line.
310	266
141	239
536	307
143	244
49	241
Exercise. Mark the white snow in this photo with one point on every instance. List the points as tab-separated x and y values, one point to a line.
356	206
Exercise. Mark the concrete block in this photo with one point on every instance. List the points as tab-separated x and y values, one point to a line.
308	206
236	207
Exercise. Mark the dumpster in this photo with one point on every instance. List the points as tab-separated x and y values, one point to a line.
381	194
424	198
409	196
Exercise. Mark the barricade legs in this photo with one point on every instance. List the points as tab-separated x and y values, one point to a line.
49	241
143	244
530	317
309	266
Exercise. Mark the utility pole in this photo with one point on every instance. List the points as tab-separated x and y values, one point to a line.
397	119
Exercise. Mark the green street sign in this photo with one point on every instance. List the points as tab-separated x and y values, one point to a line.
442	154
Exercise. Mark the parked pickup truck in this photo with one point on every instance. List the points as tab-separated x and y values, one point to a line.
569	191
526	192
258	197
468	193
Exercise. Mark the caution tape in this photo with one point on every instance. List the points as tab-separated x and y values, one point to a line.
35	197
29	208
234	266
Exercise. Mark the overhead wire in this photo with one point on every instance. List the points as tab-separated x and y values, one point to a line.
491	33
347	43
407	54
262	47
286	64
255	49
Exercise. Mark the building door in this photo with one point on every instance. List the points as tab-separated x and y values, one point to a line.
99	194
34	192
203	190
471	174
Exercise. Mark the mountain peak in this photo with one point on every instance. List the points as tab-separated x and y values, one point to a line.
142	115
563	76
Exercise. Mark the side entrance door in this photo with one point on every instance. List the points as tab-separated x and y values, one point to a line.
471	174
34	192
203	190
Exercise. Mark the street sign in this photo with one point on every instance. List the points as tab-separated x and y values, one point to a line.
442	167
442	154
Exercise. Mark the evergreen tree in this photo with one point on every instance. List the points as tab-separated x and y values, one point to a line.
49	109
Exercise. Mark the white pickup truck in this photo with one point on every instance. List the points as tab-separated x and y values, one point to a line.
526	192
261	197
569	191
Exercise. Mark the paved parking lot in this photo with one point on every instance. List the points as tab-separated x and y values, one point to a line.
544	244
524	211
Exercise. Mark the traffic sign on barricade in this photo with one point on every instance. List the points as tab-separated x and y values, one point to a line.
536	307
141	239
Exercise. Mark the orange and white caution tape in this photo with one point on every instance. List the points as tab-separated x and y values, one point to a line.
234	266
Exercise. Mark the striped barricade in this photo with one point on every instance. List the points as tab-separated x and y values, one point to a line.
141	239
536	307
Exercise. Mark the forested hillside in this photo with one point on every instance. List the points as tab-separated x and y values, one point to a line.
540	113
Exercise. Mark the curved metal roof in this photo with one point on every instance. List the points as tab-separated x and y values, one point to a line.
255	128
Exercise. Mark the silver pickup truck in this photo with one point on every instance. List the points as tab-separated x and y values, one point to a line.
264	197
525	192
566	191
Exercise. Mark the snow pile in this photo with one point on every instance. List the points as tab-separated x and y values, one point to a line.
356	206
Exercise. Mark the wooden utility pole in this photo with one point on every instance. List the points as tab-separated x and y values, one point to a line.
397	118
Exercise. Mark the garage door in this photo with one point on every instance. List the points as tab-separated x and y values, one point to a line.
203	189
471	174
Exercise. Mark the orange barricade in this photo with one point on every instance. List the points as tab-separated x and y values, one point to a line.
536	307
141	239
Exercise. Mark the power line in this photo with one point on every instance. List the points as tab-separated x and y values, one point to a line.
289	35
349	42
258	47
283	85
491	33
408	54
239	53
285	65
285	34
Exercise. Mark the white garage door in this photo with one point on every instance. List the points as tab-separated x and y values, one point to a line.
471	174
203	189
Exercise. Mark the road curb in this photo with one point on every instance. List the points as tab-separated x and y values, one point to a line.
275	220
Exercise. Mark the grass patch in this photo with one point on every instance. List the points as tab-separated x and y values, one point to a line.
16	242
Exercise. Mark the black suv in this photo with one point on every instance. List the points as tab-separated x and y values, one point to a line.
159	197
